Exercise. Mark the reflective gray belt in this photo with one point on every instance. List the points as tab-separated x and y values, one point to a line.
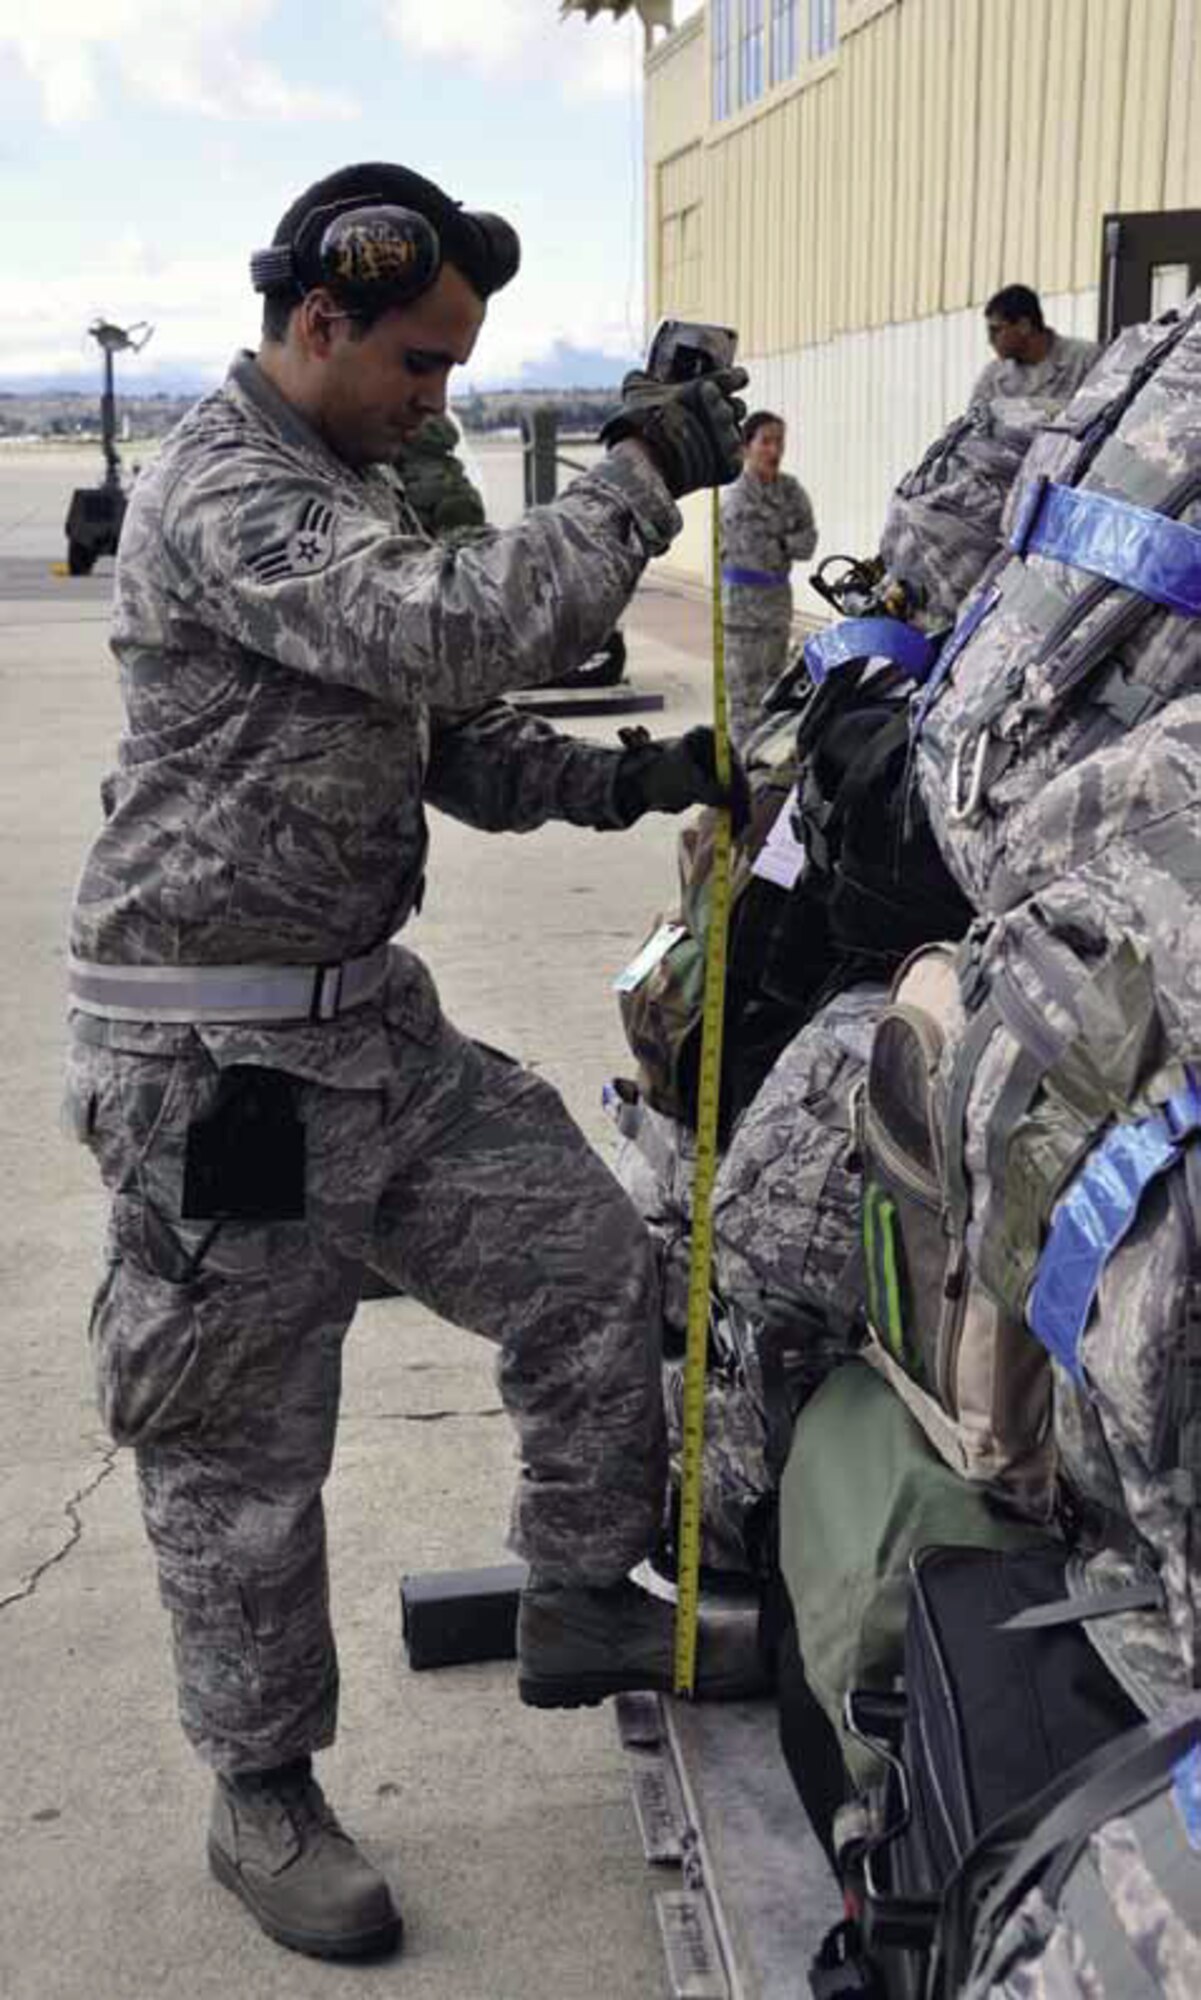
225	992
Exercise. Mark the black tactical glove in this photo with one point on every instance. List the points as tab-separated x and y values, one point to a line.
692	430
675	773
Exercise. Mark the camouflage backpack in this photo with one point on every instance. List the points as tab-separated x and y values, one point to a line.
1071	1136
786	1241
963	1363
787	1267
1092	1890
1089	623
943	525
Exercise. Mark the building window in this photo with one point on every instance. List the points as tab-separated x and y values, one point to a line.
784	40
750	52
719	28
823	27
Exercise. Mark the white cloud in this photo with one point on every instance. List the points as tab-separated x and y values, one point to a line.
185	55
202	309
525	324
522	38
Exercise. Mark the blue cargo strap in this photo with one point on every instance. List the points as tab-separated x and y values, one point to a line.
870	639
1128	545
755	579
1095	1214
970	623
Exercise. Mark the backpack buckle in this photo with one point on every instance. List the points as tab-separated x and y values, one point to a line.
967	799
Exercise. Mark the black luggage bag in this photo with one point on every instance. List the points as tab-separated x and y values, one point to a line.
988	1717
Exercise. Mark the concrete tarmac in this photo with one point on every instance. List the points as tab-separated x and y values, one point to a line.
508	1835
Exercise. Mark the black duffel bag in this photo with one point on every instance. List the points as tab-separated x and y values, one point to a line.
988	1718
875	886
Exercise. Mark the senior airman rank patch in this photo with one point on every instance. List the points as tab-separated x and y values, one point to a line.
302	553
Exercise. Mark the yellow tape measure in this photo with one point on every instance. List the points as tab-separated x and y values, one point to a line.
708	1099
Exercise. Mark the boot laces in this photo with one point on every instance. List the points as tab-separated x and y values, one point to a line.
302	1799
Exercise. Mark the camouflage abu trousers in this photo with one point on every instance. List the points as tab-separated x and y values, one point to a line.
217	1349
755	657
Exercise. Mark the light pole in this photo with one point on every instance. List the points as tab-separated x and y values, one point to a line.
94	518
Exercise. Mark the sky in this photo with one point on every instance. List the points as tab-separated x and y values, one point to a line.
148	146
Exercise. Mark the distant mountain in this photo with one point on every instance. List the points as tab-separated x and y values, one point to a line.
565	367
139	378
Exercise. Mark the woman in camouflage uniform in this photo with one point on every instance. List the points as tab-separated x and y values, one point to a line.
767	524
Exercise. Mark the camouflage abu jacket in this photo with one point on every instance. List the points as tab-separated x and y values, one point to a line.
1051	382
302	671
766	525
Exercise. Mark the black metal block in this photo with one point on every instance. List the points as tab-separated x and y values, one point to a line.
449	1617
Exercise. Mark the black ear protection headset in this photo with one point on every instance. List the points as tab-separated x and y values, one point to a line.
372	254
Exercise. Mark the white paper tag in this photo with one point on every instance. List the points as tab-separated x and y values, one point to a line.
655	948
782	856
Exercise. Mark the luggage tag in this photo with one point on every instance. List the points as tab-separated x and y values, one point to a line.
245	1160
781	859
653	951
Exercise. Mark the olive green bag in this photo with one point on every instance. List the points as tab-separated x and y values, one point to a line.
862	1491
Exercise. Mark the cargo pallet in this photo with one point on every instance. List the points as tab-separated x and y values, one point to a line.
744	1894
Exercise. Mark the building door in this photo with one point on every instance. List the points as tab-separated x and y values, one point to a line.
1149	263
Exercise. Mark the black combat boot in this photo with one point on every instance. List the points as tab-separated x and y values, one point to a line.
576	1646
274	1841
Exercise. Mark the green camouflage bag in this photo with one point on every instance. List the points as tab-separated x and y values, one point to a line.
661	992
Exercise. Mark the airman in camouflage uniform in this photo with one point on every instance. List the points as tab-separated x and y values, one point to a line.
1034	363
767	524
435	480
302	673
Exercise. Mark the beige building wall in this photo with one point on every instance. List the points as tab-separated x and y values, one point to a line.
854	220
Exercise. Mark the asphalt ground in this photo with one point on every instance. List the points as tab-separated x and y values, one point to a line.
508	1835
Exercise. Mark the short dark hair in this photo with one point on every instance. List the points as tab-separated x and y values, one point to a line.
1015	302
757	421
380	181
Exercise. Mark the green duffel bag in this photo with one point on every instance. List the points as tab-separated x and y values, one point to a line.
862	1491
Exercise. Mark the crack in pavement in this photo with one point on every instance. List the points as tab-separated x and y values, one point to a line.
423	1416
71	1509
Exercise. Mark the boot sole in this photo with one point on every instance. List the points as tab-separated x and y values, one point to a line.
314	1944
588	1690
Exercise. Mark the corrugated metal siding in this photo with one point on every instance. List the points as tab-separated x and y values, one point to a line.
954	145
1101	129
1179	172
861	409
853	225
963	153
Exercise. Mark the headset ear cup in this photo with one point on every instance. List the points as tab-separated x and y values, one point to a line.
372	258
501	244
273	269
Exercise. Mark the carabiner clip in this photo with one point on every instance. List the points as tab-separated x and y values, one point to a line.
965	809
